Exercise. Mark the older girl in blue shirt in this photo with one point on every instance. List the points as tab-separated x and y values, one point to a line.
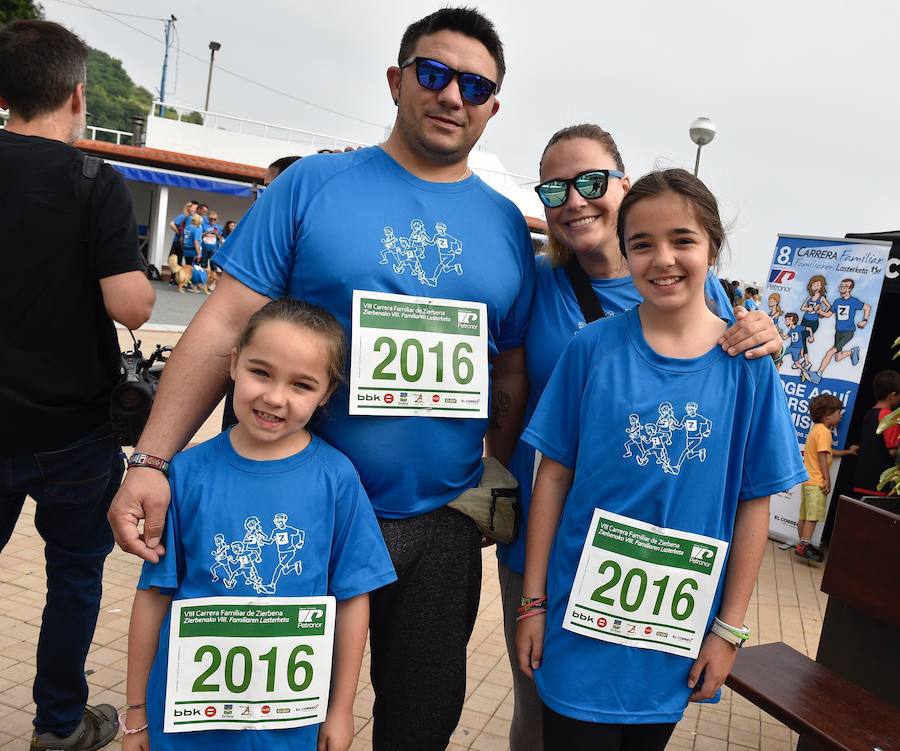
684	510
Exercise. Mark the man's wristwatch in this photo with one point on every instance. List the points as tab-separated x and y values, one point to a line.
732	634
140	459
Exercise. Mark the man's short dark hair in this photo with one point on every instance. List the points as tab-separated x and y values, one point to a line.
280	165
41	63
466	21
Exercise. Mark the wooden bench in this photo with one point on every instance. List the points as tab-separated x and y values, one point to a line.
823	707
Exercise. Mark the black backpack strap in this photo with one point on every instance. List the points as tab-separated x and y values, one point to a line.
90	167
588	301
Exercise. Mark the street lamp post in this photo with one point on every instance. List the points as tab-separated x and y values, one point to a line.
702	132
213	48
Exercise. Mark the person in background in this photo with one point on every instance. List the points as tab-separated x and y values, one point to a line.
70	243
193	238
277	167
825	411
878	452
738	292
751	299
177	225
211	238
228	229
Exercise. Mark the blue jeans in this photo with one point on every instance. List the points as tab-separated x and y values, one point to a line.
72	488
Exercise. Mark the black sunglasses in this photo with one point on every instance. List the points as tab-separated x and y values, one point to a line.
590	184
434	75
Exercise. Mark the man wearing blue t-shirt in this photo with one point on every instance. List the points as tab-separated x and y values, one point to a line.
844	310
406	219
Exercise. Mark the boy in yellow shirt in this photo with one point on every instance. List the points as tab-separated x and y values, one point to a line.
826	411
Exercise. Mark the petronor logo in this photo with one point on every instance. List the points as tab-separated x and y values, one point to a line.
465	317
310	617
702	554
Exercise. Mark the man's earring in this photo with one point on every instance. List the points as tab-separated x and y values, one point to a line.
396	102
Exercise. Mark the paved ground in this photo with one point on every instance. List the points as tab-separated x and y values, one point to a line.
787	606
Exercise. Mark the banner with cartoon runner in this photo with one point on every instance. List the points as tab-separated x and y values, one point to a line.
822	294
418	356
248	663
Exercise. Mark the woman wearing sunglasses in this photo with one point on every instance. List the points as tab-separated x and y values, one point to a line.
583	277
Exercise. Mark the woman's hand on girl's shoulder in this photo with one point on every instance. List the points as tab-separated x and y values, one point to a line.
753	333
530	643
714	663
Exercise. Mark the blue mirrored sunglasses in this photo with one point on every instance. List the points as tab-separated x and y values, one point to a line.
434	75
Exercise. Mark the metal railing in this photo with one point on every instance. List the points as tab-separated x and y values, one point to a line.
244	126
96	133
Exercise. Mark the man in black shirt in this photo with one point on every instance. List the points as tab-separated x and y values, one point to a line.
71	264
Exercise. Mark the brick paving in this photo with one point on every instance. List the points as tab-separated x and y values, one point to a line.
787	605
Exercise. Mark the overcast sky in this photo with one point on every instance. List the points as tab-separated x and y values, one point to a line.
804	93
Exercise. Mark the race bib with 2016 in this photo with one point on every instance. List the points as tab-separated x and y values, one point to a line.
248	663
418	356
644	586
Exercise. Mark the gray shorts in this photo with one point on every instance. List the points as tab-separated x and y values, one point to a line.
841	338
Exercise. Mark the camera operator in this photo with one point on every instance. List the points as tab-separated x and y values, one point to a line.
71	266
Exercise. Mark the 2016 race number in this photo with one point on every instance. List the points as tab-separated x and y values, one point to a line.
238	668
634	589
412	360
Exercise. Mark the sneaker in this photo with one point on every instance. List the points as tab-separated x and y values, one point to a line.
97	728
854	356
814	554
800	550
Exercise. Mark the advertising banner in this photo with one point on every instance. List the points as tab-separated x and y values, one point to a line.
822	294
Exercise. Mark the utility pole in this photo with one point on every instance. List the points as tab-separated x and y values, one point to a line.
213	48
162	86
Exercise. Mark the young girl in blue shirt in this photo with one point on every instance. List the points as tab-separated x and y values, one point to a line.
643	546
265	510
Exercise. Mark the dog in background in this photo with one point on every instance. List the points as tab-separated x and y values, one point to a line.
185	273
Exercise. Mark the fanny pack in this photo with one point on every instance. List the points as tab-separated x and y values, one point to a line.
493	504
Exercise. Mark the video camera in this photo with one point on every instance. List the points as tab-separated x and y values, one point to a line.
132	397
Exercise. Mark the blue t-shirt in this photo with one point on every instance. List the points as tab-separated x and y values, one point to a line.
213	233
751	305
199	275
817	305
222	538
725	436
555	319
845	313
334	223
192	232
178	220
795	340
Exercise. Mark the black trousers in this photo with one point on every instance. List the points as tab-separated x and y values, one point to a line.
420	626
563	733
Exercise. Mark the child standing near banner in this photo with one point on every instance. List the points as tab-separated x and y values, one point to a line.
267	523
640	563
826	411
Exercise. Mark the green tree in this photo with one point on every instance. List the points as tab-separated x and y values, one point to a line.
14	10
112	97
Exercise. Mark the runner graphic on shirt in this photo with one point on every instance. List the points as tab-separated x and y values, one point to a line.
244	559
635	433
245	562
288	541
652	439
220	558
427	258
696	428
